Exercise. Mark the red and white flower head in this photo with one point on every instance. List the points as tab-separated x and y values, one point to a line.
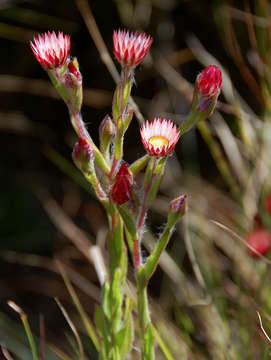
209	81
130	48
159	137
51	50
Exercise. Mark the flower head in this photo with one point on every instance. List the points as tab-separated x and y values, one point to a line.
130	48
159	137
260	240
51	50
121	190
209	81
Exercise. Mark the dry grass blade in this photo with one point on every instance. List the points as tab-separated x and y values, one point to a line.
78	237
86	321
6	353
73	328
231	148
236	236
46	263
191	253
96	98
261	325
59	352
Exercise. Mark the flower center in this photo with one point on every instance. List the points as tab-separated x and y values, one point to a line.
158	141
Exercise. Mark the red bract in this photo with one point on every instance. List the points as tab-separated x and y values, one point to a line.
74	71
209	81
121	191
130	48
260	240
159	137
51	50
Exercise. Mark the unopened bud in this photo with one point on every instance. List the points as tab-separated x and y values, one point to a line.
178	205
73	67
209	81
107	131
72	77
121	191
177	209
71	81
83	155
207	89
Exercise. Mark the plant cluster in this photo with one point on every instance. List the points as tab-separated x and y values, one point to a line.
113	180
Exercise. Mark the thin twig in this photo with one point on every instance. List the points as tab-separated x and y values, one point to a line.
77	236
191	253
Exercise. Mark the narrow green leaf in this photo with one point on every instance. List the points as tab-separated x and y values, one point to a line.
102	327
116	292
106	306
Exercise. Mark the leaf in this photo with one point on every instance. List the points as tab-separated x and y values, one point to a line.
125	336
103	328
106	306
149	342
116	298
115	292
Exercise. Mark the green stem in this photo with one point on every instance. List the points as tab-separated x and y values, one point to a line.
153	260
199	113
194	117
145	329
153	178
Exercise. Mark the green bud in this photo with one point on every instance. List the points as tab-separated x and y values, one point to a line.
107	132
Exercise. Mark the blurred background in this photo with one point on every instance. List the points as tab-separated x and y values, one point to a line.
206	294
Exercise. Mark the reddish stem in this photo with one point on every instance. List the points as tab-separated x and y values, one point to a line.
80	126
137	255
137	242
113	168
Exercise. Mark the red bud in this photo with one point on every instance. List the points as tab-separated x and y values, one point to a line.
121	191
260	240
209	81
